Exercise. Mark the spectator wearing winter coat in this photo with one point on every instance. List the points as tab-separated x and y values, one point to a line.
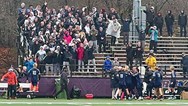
80	56
130	55
158	20
126	28
153	38
101	39
142	36
149	18
107	66
57	60
182	22
169	19
48	61
93	34
29	63
184	64
67	37
138	54
91	57
115	63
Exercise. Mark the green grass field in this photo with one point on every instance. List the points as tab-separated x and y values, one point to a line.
86	102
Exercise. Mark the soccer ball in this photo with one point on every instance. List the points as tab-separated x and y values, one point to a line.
29	96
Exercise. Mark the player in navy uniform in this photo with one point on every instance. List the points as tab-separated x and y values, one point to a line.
35	76
172	83
128	81
148	79
122	83
137	82
114	80
157	83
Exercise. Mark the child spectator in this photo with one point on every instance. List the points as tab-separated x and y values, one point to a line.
107	66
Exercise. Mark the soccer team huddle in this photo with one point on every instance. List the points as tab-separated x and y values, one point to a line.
127	83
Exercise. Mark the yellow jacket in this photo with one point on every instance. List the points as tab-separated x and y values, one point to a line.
151	62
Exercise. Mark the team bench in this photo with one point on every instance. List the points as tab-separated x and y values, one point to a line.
25	87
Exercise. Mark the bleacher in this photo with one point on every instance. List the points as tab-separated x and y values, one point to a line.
174	47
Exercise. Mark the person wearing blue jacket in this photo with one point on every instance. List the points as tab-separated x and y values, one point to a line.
153	38
107	66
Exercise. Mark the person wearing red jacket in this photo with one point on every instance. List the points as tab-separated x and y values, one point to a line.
12	82
80	55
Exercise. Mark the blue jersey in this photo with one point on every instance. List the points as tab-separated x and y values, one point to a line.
173	76
157	77
128	78
122	78
34	73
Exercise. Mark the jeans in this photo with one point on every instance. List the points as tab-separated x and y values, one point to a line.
113	40
183	29
57	69
11	91
80	63
170	30
95	46
153	46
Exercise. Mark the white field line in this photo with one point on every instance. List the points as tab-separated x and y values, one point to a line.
93	103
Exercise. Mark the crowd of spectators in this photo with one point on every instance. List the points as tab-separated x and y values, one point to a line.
64	38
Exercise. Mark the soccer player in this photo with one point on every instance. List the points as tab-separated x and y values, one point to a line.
114	80
122	84
137	82
157	82
148	79
12	82
128	81
34	73
172	83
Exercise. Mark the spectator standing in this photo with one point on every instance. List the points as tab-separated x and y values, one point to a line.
113	29
169	19
40	57
126	28
130	55
184	64
107	66
115	62
12	82
57	60
80	53
142	36
149	18
101	39
48	61
138	54
153	38
158	20
93	34
91	57
182	22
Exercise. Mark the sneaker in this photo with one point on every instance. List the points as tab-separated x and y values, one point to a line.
170	98
140	98
129	98
55	97
148	97
162	99
174	98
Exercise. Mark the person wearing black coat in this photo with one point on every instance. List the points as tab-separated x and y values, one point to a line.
182	22
149	18
101	39
126	28
158	21
184	64
169	19
57	60
130	55
48	63
91	57
142	36
138	54
148	80
64	85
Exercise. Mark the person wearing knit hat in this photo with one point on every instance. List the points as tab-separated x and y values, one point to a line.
107	66
12	82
